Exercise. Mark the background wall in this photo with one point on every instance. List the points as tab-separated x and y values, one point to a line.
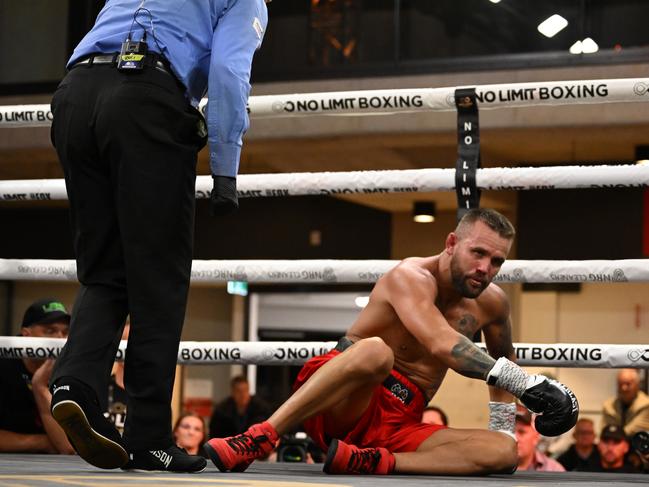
24	25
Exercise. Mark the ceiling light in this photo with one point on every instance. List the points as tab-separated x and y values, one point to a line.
494	1
589	46
576	48
552	25
361	301
423	211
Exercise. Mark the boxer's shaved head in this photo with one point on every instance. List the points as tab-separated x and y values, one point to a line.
493	219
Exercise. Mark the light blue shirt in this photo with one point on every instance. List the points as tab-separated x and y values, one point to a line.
209	44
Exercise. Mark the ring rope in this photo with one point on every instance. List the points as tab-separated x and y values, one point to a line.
570	355
329	271
380	182
382	102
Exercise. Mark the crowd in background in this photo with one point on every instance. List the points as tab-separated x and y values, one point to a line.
26	424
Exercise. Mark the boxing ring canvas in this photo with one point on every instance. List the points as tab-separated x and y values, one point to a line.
54	471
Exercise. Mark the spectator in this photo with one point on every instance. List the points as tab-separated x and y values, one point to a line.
613	447
583	453
529	458
434	415
190	433
238	412
630	408
26	424
117	396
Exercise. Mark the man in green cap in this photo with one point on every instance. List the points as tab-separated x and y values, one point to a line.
26	424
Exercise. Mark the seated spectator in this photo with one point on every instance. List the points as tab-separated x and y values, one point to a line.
613	447
583	453
26	424
630	408
238	412
529	458
117	398
190	433
434	415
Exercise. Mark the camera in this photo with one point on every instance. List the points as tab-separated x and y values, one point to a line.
640	442
294	447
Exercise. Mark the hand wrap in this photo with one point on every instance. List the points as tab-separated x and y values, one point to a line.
502	417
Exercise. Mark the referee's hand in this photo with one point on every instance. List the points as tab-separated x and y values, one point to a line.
223	199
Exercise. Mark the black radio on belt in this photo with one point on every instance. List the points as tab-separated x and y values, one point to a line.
132	55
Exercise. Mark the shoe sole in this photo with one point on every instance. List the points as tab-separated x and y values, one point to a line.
93	447
216	459
331	454
142	470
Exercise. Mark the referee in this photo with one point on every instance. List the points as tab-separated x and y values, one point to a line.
127	134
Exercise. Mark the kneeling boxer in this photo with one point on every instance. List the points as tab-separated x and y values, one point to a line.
363	401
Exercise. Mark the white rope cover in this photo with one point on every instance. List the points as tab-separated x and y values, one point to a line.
295	353
375	102
380	182
347	271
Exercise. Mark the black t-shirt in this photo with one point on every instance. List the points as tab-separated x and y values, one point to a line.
18	411
572	461
226	421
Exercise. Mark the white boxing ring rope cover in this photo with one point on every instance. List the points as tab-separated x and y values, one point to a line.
378	102
328	271
570	355
380	182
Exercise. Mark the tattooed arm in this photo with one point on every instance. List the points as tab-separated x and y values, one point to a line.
411	292
498	338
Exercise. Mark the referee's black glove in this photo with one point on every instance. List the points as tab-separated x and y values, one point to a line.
223	199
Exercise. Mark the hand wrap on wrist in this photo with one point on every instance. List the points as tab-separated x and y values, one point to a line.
506	375
502	417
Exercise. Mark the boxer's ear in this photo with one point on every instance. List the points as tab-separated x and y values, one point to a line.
451	242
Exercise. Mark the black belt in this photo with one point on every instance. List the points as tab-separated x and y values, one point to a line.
153	61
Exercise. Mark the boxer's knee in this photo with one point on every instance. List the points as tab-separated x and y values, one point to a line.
502	456
371	357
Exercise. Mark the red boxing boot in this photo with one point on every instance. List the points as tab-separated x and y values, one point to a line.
349	459
236	453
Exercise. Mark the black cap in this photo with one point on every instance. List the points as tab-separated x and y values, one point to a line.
612	432
523	414
45	311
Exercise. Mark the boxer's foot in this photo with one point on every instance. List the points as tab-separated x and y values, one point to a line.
236	453
349	459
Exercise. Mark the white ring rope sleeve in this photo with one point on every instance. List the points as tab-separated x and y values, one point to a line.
384	102
379	182
348	271
294	353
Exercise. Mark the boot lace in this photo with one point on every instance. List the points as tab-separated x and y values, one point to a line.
364	460
247	444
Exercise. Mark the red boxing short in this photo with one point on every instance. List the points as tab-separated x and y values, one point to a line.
392	420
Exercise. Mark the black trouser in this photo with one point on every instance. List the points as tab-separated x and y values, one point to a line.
128	144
